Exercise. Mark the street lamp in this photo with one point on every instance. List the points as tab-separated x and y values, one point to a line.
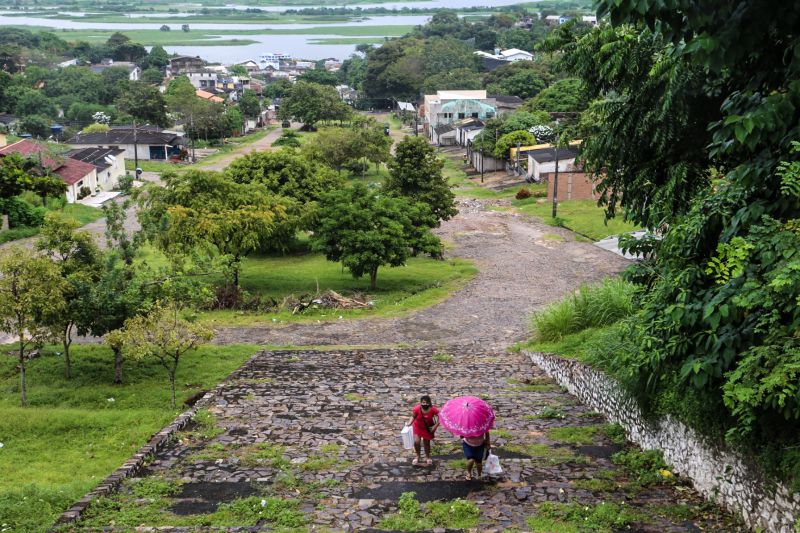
482	165
555	181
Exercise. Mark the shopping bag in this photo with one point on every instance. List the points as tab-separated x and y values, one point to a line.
493	465
407	437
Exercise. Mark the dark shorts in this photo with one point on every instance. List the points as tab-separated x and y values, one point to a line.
473	452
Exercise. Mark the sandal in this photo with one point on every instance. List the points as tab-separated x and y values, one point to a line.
468	477
415	462
429	462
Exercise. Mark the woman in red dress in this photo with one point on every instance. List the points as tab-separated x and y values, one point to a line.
424	421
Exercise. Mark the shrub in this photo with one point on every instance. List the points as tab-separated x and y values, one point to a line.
125	183
523	193
84	192
357	167
590	307
23	214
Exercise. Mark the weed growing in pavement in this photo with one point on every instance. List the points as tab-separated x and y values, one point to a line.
254	381
211	452
595	485
455	514
646	467
204	427
293	359
330	448
154	487
550	454
442	357
264	454
554	517
615	433
355	397
675	511
548	412
247	511
501	433
574	435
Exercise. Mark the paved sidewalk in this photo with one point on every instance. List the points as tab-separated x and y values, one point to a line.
321	428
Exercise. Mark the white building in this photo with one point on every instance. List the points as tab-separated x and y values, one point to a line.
515	54
273	59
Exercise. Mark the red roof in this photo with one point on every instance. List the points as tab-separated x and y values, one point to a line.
69	170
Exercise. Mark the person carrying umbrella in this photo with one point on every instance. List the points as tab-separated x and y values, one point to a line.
471	419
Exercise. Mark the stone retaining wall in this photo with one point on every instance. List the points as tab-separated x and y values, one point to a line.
720	475
132	466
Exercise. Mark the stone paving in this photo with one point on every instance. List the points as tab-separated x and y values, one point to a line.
322	427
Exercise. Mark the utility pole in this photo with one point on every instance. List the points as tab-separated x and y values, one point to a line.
482	164
135	150
555	183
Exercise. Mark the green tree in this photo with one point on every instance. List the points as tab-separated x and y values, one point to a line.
79	261
461	78
249	104
445	54
563	96
320	76
284	173
364	230
152	75
525	84
310	103
162	335
36	125
277	89
718	322
33	102
117	39
157	58
30	289
336	147
143	102
206	211
510	140
416	173
238	70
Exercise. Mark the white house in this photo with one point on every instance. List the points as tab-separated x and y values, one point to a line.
515	54
108	162
273	59
144	143
442	109
133	70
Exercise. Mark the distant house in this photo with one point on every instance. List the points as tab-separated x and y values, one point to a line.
108	162
202	79
211	97
249	65
134	72
273	59
68	63
144	144
332	65
8	120
75	174
439	111
515	54
589	19
182	64
552	20
507	104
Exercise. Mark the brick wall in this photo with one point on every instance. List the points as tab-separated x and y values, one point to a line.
571	186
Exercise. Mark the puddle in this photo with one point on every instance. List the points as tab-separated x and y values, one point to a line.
426	491
203	497
599	452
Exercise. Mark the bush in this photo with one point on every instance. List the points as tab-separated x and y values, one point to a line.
84	192
523	193
357	167
125	183
590	307
23	214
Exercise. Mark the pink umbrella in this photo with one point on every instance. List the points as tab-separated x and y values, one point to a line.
466	416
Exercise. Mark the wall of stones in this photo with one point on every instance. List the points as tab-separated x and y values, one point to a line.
731	480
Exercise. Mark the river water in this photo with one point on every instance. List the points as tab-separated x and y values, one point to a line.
299	44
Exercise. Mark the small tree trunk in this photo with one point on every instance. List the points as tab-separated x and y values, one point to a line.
172	384
373	278
236	265
117	365
22	383
67	341
3	222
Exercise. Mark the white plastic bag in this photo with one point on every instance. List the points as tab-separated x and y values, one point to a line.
407	437
492	466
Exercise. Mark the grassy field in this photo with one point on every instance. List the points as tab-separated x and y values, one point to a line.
348	40
84	214
581	216
77	432
222	37
422	282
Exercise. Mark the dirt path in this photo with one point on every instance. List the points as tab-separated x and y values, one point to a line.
258	146
523	265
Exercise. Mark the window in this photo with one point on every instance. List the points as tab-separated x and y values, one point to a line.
461	115
489	115
474	115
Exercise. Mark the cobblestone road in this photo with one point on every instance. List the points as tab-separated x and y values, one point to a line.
320	428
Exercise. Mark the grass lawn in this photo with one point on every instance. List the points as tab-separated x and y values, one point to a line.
153	166
72	435
581	216
84	214
421	283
